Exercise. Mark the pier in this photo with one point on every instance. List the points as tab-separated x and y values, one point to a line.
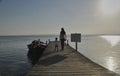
68	62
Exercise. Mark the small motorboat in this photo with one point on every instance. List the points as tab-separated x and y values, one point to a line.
35	51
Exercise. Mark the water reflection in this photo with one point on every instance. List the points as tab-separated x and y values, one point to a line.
112	58
110	63
104	50
113	40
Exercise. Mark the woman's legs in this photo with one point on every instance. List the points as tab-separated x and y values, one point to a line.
62	44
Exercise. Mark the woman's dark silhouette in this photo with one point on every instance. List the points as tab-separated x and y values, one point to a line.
62	38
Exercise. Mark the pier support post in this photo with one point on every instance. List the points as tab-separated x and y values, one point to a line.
76	46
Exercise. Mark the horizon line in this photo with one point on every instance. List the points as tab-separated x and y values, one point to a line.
55	34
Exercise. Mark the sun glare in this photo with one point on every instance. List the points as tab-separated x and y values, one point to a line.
110	7
113	40
110	63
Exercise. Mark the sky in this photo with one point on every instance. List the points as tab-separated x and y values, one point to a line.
36	17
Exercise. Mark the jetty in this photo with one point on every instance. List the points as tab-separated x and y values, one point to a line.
67	62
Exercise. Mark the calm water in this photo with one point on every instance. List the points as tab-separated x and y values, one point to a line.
104	50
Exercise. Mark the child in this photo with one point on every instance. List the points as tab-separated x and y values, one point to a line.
56	44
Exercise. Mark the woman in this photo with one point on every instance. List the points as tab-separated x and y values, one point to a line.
62	38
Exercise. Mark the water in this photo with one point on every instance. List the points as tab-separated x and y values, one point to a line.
104	50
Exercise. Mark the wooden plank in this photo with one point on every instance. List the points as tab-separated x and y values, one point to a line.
66	63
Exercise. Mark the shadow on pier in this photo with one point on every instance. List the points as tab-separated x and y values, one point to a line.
52	60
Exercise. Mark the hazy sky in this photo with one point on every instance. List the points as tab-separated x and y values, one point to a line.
21	17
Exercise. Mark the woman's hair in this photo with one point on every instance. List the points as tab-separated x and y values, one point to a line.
62	31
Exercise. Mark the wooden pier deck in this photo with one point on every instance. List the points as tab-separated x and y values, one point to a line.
66	63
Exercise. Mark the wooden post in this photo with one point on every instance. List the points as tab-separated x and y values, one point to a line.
67	42
76	46
46	42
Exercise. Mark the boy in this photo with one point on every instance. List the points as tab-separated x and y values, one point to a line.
56	44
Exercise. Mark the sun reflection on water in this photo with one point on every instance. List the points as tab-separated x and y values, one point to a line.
113	40
110	63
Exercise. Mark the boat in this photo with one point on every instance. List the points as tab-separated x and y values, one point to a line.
35	50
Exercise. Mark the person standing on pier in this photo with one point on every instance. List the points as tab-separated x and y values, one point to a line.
56	44
62	38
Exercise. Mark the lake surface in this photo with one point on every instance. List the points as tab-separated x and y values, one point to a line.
102	49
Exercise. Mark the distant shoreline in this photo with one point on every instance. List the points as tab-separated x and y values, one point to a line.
58	34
